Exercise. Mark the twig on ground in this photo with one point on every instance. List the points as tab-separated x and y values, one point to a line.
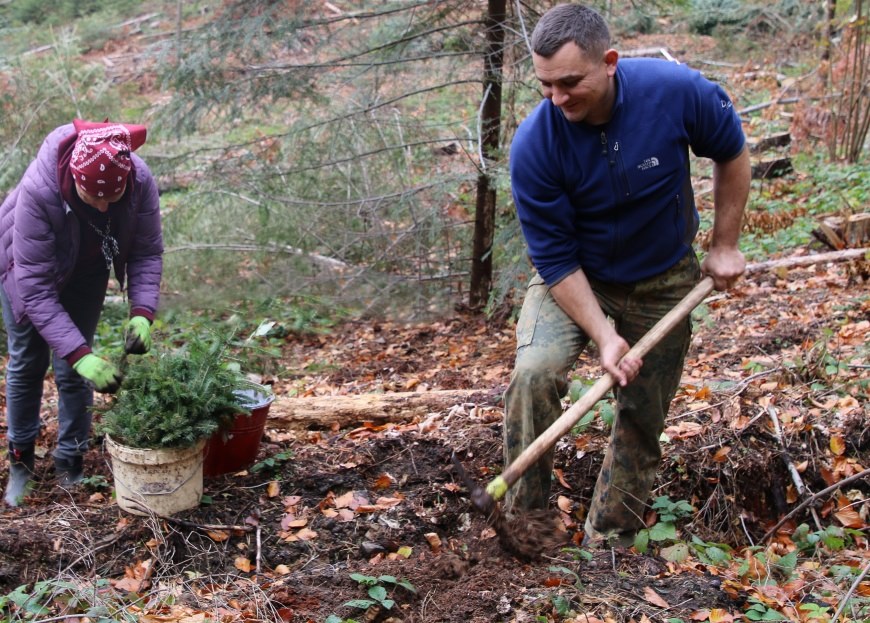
802	489
259	549
814	497
189	524
851	590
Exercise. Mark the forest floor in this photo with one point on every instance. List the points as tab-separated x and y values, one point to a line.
775	386
382	501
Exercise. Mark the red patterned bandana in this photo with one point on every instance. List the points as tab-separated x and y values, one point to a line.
100	161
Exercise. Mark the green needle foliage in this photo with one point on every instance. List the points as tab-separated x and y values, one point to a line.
174	399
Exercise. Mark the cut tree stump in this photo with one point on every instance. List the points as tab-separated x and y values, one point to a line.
842	232
758	145
771	168
346	411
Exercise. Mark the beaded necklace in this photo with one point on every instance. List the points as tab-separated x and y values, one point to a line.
108	245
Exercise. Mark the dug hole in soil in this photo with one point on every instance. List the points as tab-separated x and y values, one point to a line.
375	499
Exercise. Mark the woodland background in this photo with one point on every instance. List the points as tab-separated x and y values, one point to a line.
336	200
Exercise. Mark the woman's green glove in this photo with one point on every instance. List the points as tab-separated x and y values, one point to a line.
138	332
104	376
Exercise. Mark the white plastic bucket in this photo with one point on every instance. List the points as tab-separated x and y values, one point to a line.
161	480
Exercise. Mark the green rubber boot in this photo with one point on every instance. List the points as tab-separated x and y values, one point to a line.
69	470
21	463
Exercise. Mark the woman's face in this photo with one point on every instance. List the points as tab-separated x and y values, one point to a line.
100	203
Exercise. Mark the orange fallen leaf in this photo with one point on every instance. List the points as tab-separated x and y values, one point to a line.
131	585
218	536
561	477
837	445
384	481
684	430
719	615
273	489
242	564
654	598
434	541
344	500
702	394
291	521
700	615
306	535
565	504
721	454
850	518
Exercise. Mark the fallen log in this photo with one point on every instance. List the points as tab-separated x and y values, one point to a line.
350	410
338	412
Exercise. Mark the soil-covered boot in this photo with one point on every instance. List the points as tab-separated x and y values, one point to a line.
69	470
21	464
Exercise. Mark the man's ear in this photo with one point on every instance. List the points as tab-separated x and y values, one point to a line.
611	56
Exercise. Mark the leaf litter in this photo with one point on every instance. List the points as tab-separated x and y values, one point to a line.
381	500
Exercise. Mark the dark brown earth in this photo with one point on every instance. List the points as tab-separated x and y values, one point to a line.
281	543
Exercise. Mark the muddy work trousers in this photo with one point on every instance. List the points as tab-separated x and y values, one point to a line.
548	345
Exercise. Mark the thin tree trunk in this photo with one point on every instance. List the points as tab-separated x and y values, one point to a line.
827	35
490	132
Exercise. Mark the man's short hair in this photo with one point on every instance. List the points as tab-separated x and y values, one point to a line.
570	22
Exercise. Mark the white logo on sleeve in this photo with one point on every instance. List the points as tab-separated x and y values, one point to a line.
648	163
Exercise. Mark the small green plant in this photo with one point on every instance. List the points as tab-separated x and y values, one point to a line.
377	592
272	462
578	553
717	554
832	537
814	612
760	612
97	481
670	511
95	600
602	408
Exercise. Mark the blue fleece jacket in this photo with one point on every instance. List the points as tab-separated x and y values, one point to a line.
616	200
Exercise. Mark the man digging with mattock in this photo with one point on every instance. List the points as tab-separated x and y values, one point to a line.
601	182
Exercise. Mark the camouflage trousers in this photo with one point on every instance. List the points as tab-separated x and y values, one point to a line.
548	345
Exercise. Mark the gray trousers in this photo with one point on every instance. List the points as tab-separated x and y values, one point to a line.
548	345
29	357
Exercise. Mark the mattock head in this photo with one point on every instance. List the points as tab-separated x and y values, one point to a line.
481	500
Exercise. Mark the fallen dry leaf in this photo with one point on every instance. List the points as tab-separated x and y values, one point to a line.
684	430
837	445
218	536
850	518
561	477
434	541
719	615
654	598
721	454
384	481
242	564
273	489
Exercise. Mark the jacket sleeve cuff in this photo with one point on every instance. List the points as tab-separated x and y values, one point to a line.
77	354
141	311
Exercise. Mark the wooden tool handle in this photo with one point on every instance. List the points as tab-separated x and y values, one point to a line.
498	487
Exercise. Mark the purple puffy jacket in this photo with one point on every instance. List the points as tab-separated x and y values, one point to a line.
39	245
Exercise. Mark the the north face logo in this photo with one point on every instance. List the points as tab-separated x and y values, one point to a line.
649	163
